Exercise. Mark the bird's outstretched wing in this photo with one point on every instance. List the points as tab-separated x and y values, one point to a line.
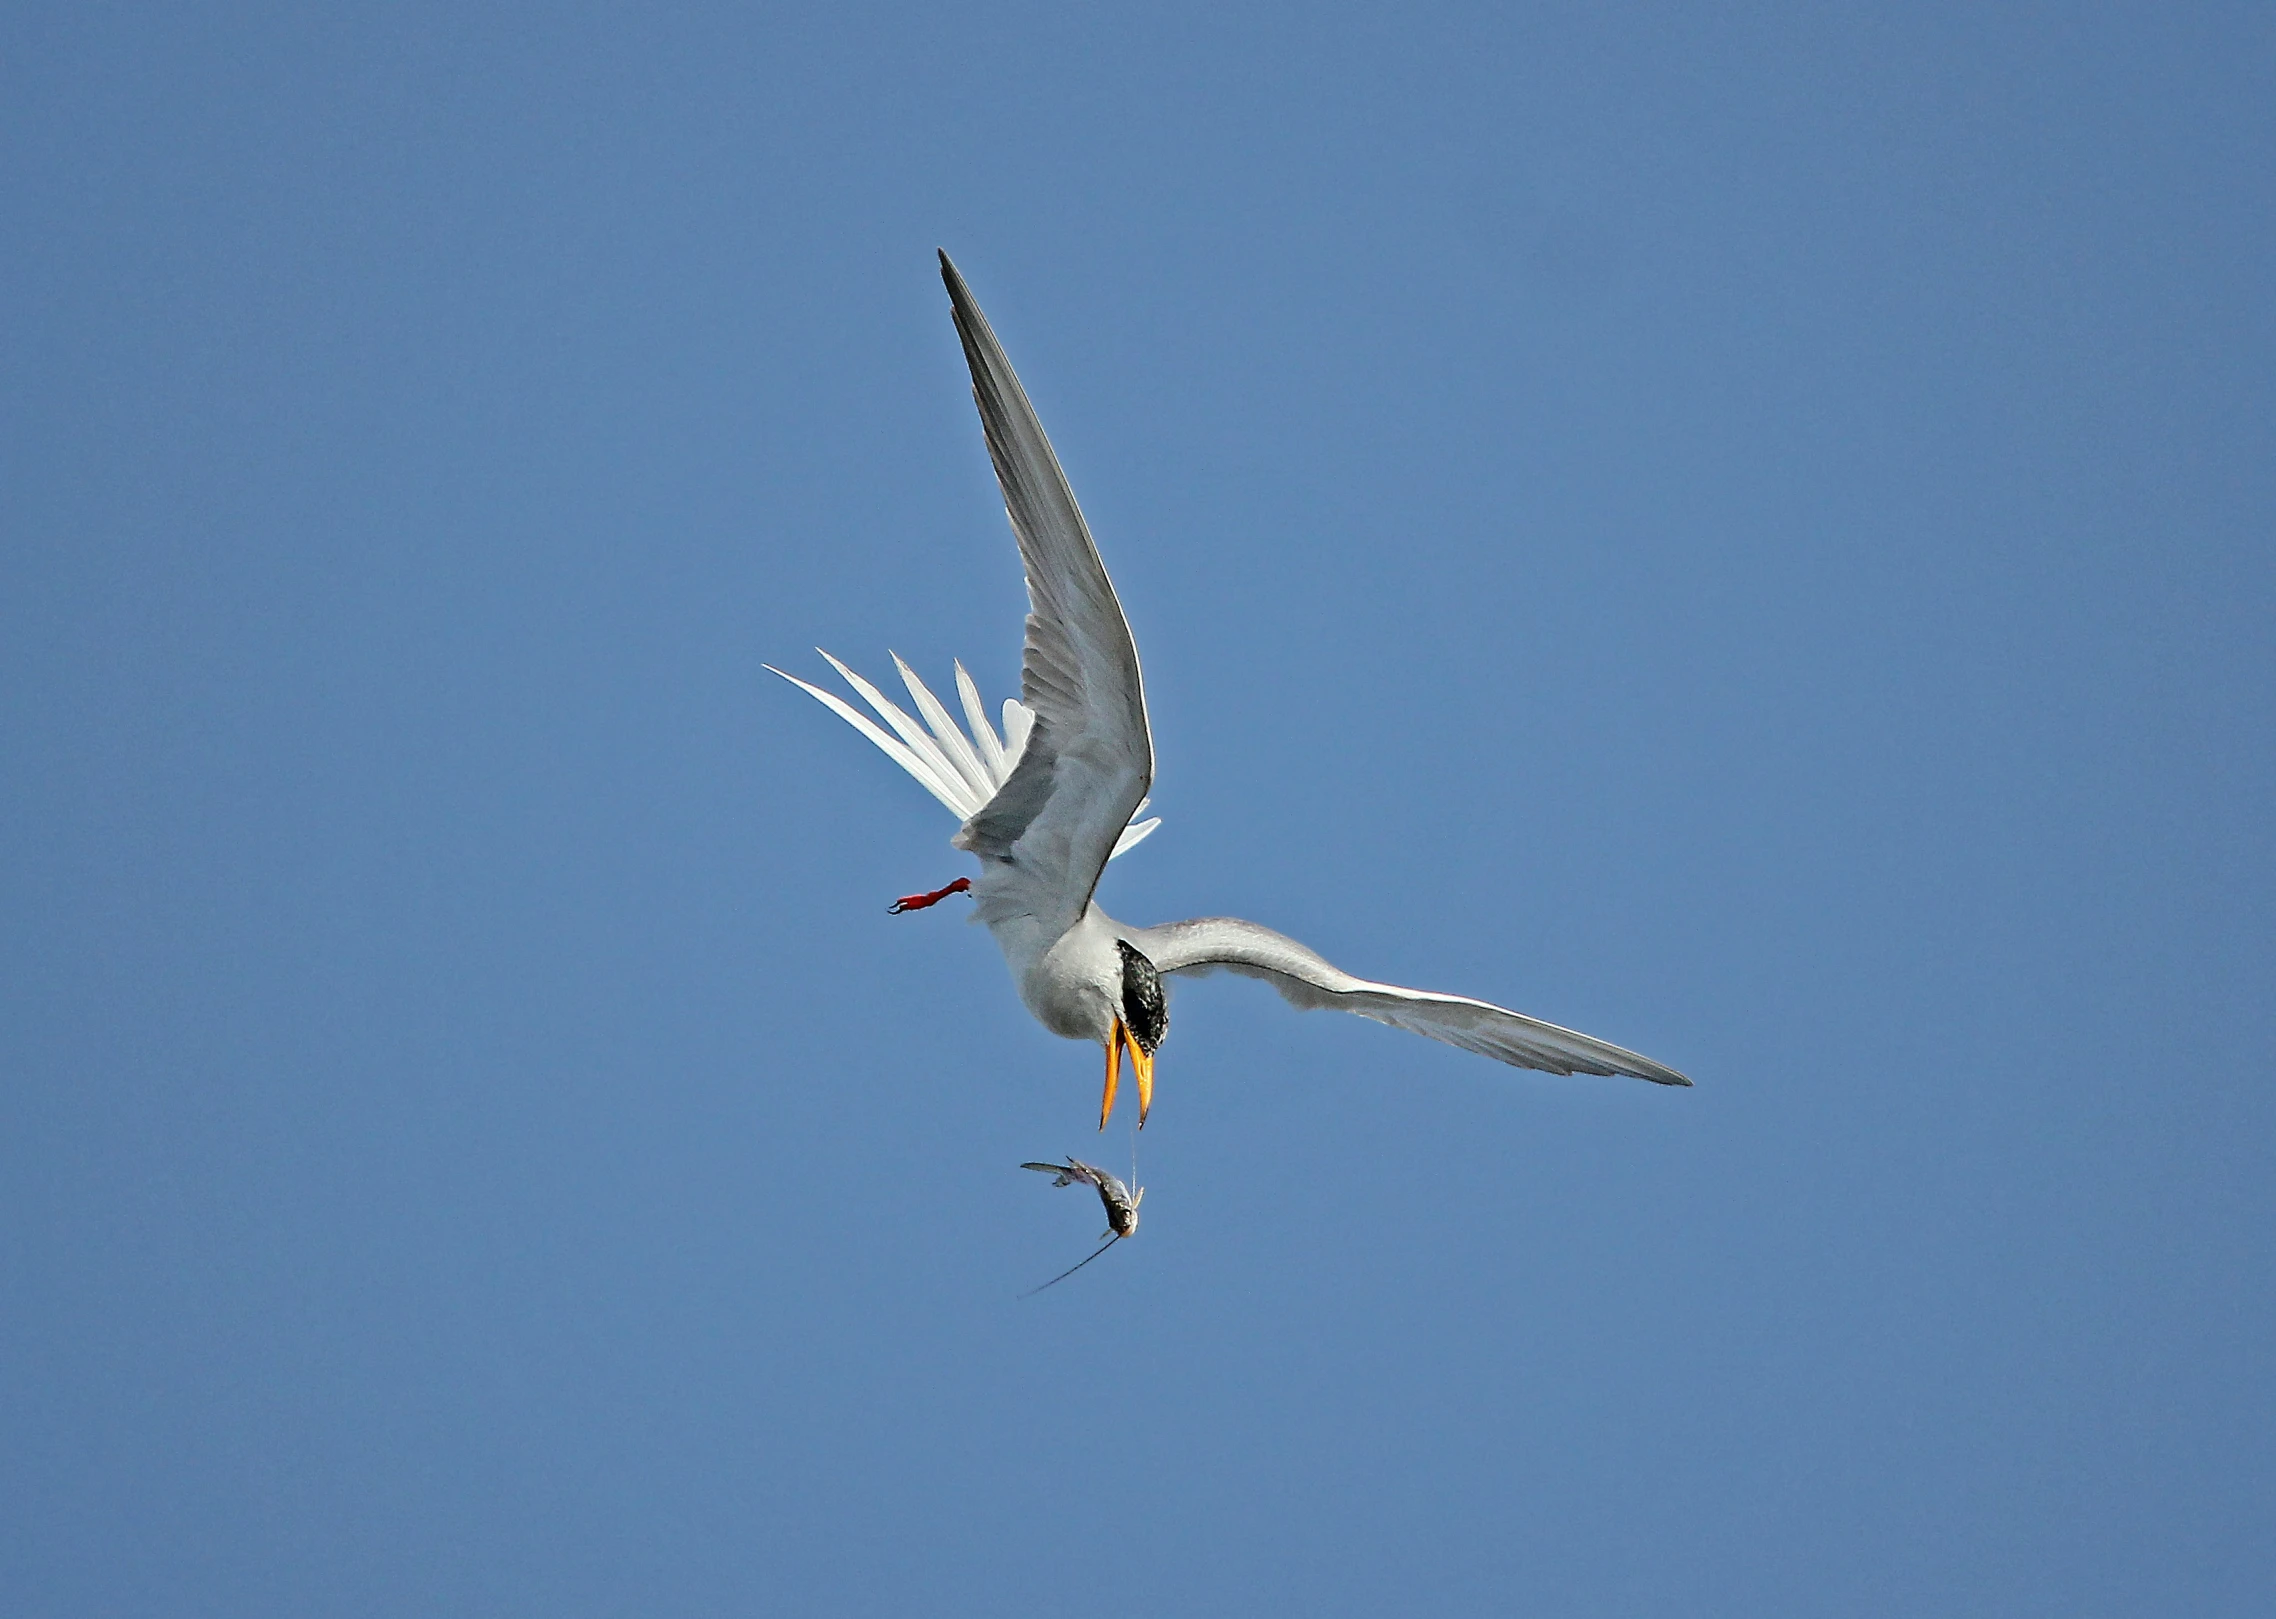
1048	831
1306	980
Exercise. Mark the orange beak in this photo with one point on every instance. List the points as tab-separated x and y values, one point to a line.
1114	1039
1142	1064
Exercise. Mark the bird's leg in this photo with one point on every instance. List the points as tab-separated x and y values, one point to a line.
1142	1065
917	902
1114	1040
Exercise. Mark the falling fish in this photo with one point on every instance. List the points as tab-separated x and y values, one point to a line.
1121	1206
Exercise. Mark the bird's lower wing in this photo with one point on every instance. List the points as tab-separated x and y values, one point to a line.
1306	980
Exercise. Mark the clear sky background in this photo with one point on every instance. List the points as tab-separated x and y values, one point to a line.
1748	536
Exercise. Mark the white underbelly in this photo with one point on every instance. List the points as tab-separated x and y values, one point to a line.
1072	984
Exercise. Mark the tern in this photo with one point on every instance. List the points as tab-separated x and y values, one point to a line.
1048	803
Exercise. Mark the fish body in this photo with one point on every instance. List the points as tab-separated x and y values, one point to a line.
1121	1206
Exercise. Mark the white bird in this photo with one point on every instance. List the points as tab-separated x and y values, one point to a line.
1048	804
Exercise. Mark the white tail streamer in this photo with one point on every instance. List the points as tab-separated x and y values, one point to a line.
962	771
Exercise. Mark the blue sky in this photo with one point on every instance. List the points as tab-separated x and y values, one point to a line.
1746	535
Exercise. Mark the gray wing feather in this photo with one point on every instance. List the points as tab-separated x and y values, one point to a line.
1306	980
1050	828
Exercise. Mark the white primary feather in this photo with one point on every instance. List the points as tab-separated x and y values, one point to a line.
1019	719
953	741
976	716
927	777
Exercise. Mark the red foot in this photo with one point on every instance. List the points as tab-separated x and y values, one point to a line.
917	902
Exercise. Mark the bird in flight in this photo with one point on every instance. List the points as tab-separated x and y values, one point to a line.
1049	802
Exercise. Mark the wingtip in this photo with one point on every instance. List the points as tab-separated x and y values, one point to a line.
961	304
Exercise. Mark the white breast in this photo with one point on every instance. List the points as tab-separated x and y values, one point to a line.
1072	984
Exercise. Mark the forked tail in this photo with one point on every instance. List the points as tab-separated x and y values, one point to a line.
962	771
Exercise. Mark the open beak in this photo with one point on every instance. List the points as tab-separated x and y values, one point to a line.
1142	1064
1114	1040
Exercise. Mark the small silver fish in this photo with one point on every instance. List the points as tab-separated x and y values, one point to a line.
1121	1207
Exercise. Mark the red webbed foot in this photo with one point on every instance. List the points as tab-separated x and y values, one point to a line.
917	902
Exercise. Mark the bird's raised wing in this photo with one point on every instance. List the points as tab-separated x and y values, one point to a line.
1050	828
1307	981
